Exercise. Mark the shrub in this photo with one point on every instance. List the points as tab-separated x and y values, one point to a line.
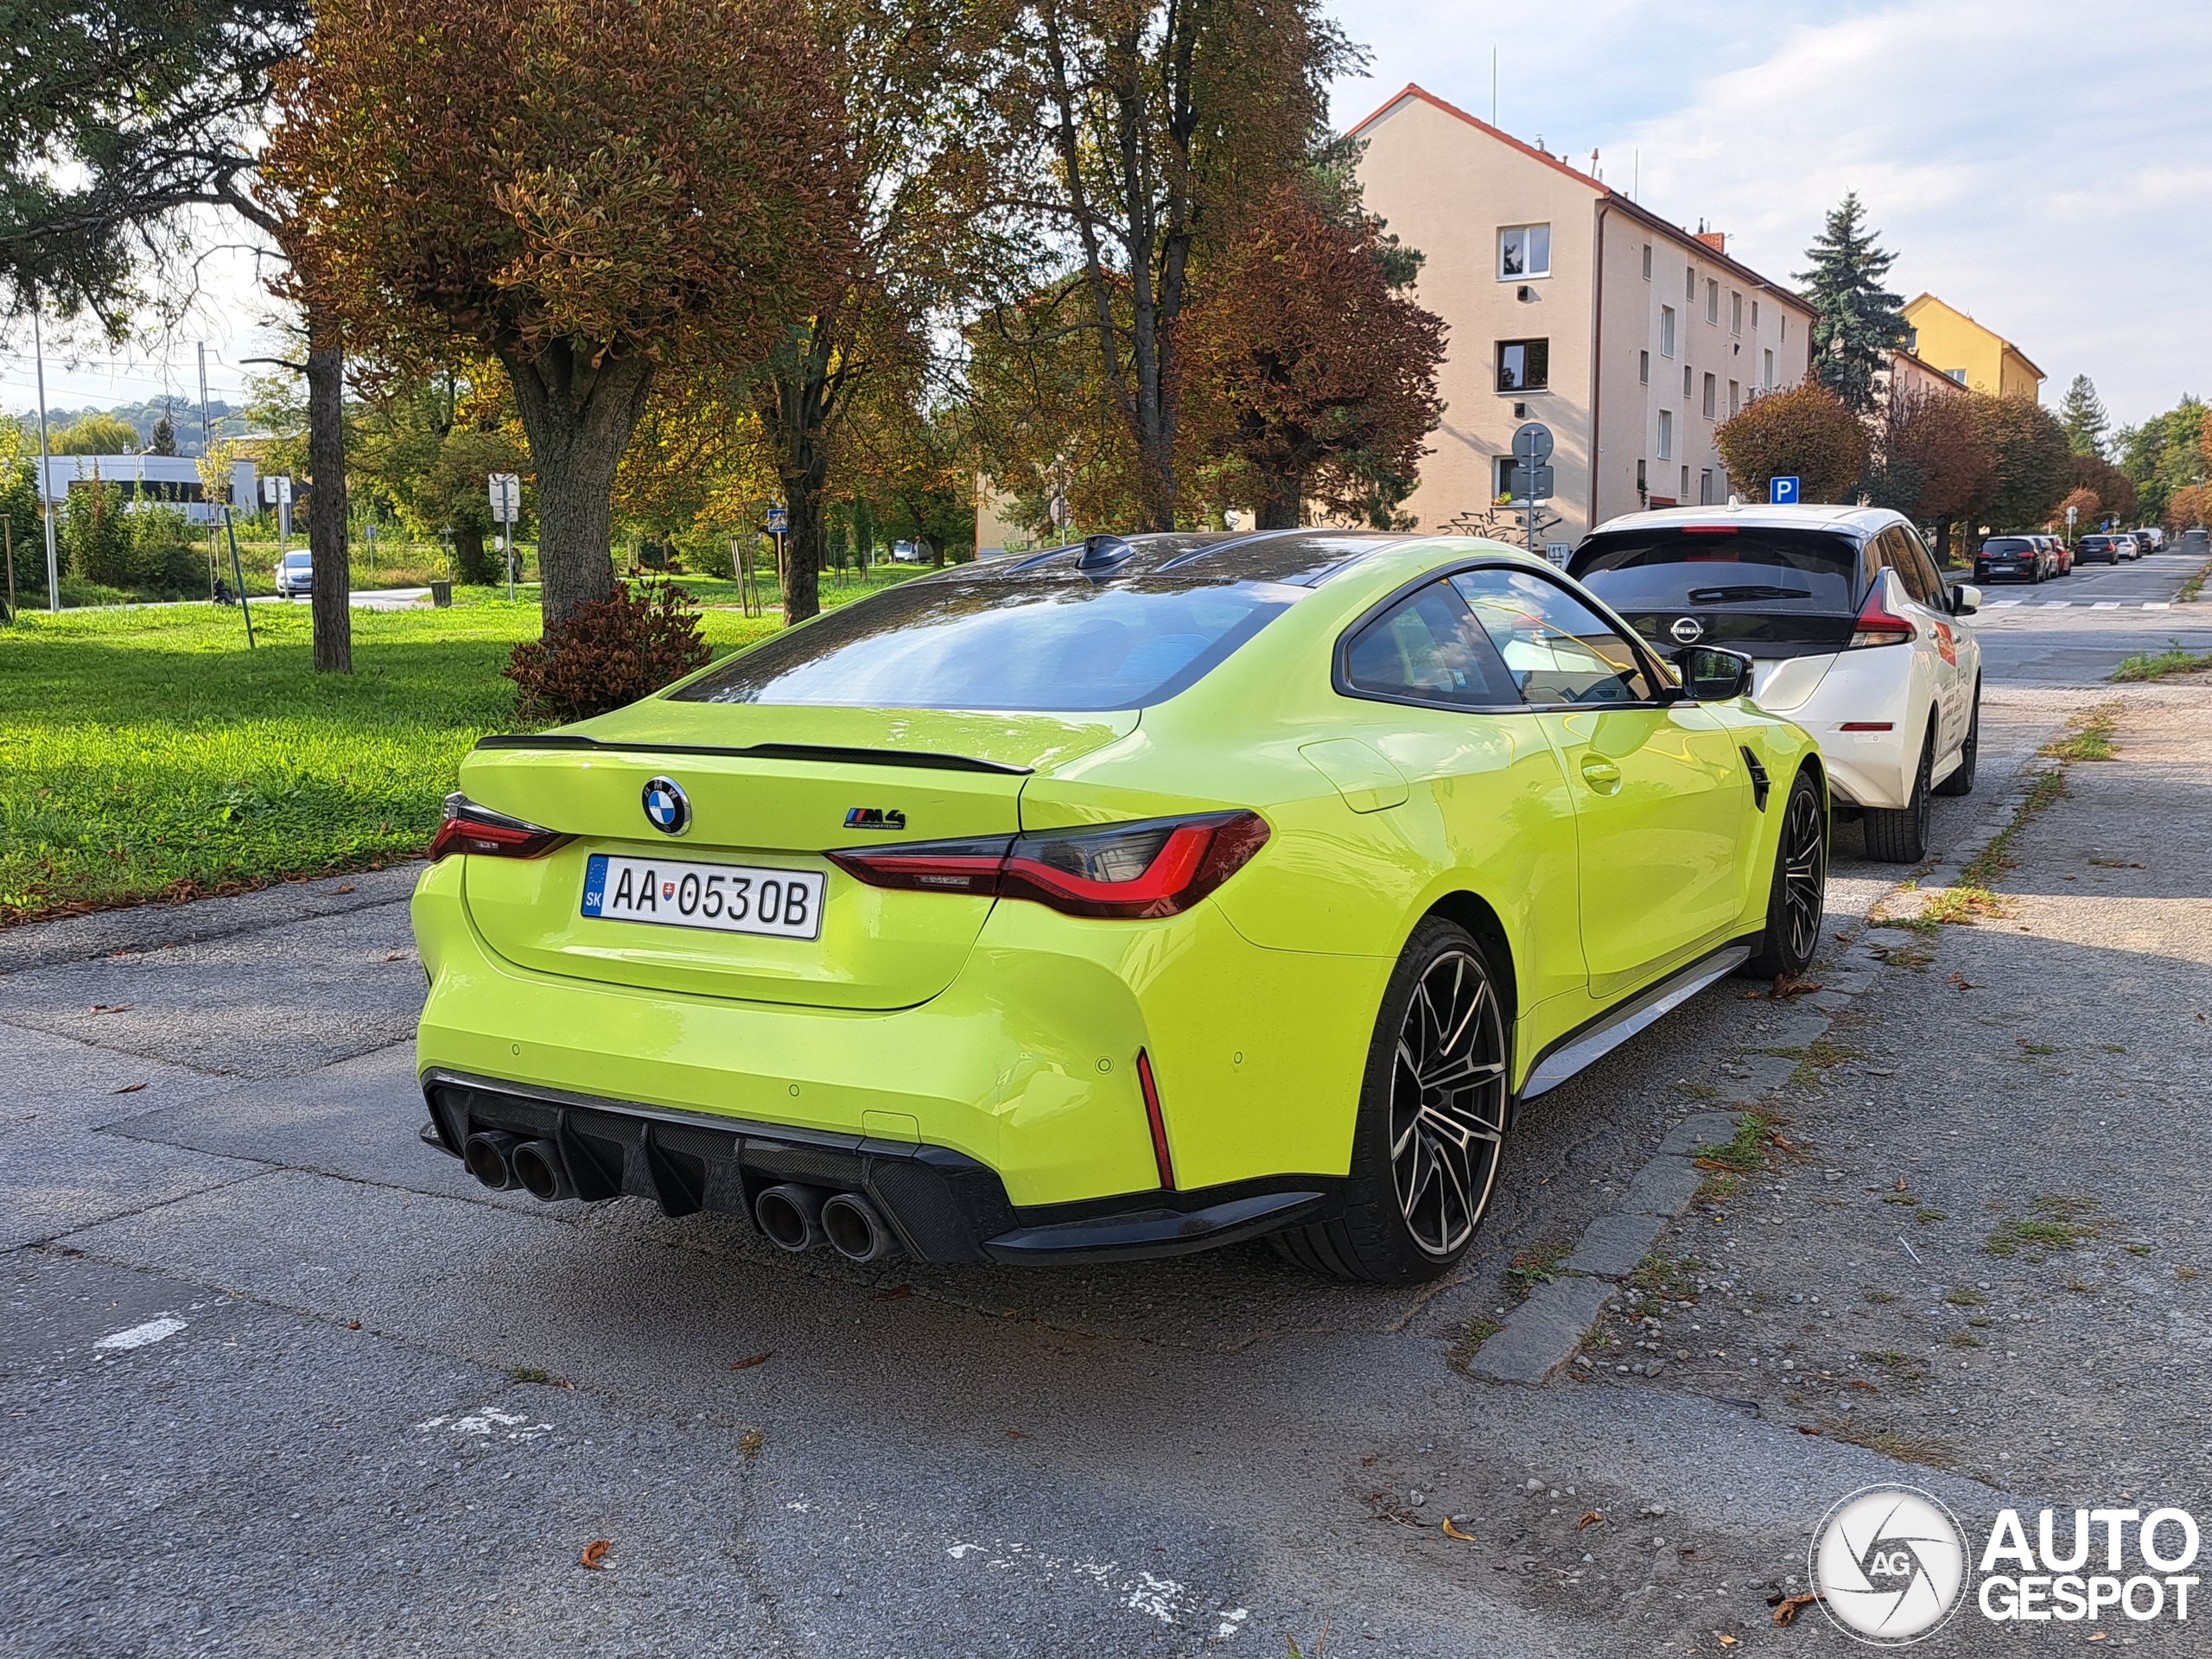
96	533
1804	432
607	653
166	557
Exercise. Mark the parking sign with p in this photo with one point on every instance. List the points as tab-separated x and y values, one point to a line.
1783	492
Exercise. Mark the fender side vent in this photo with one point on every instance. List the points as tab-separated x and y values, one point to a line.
1760	783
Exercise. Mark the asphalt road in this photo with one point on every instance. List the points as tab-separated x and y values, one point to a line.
279	1379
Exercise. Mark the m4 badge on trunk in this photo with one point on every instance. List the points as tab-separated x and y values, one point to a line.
875	817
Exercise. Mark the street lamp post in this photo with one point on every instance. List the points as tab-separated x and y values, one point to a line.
45	471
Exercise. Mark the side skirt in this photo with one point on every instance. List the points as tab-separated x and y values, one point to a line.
1585	1047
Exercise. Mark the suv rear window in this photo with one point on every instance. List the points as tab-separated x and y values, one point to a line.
985	641
1736	568
2008	545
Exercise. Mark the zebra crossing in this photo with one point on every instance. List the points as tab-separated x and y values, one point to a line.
2068	604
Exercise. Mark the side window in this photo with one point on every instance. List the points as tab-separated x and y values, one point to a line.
1926	561
1912	568
1556	648
1428	649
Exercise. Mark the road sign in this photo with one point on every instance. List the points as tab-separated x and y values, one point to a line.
779	521
277	491
1524	483
505	491
1532	444
1784	492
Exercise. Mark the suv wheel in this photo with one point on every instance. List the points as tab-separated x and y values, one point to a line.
1431	1117
1899	834
1960	782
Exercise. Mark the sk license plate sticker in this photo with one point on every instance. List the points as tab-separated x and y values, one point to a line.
725	897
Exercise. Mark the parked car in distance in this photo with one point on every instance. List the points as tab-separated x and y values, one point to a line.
895	932
2022	558
2143	544
2157	535
1855	636
2062	556
294	575
2099	549
905	553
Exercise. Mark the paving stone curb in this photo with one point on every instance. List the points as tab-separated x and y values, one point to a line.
1541	1337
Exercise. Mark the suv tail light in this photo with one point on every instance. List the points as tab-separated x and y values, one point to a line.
1129	872
472	828
1879	624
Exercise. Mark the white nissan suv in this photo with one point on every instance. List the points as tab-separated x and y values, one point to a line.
1854	635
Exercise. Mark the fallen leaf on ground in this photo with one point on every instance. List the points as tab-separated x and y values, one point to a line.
110	1007
1725	1640
1788	1609
353	1324
1959	979
748	1364
128	1089
1367	1463
1782	1142
750	1442
1900	1187
1801	1429
1785	988
1589	1520
332	893
1015	1435
397	956
1713	1163
896	1294
1451	1531
595	1555
1860	1382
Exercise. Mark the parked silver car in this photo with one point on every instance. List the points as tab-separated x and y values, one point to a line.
294	575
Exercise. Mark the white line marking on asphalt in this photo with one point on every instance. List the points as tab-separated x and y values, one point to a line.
1148	1594
2106	605
1229	1621
140	1336
2055	604
2157	605
2003	604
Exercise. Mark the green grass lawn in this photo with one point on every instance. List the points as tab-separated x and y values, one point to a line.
146	753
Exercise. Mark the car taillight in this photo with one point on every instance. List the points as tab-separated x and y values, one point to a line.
472	828
1127	872
1879	624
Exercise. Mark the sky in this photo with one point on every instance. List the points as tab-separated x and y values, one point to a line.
2044	167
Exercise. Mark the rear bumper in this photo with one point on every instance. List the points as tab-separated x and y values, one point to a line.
942	1204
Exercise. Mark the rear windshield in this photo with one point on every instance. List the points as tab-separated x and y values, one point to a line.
1670	569
298	561
2008	545
2096	540
990	642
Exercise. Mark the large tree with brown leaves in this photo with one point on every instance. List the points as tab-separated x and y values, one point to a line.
593	190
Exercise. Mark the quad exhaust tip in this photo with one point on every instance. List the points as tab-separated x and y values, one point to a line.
791	1216
538	1166
486	1153
856	1231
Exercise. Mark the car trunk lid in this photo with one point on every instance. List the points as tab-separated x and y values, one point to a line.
771	789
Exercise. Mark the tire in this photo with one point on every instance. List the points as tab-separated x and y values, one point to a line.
1960	782
1798	894
1899	834
1424	1152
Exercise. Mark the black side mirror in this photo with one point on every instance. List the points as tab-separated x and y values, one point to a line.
1711	675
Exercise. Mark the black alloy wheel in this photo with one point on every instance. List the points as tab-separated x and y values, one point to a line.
1432	1120
1798	896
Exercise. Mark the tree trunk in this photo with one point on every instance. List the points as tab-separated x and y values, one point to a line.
331	592
1943	543
1280	495
579	419
794	405
472	565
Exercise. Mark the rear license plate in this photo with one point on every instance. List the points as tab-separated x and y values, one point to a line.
724	898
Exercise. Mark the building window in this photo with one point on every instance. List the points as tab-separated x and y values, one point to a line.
1912	341
1666	434
1643	488
1766	370
1689	283
1959	375
1711	388
1666	331
1684	493
1523	364
1735	312
1735	400
1524	251
1501	485
1644	368
1647	262
1685	383
1755	316
1704	486
1712	301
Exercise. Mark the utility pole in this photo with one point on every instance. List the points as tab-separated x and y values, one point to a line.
45	470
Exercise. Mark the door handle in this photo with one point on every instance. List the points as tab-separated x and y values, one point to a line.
1601	774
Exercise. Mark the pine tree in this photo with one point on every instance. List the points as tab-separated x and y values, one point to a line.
2083	416
164	442
1859	321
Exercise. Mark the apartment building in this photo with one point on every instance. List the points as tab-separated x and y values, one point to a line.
1630	338
1969	354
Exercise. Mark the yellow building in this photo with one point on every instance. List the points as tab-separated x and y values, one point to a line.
1959	346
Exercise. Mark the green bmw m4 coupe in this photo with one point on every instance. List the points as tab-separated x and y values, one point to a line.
1120	900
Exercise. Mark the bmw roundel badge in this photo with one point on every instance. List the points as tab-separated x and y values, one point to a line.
668	809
